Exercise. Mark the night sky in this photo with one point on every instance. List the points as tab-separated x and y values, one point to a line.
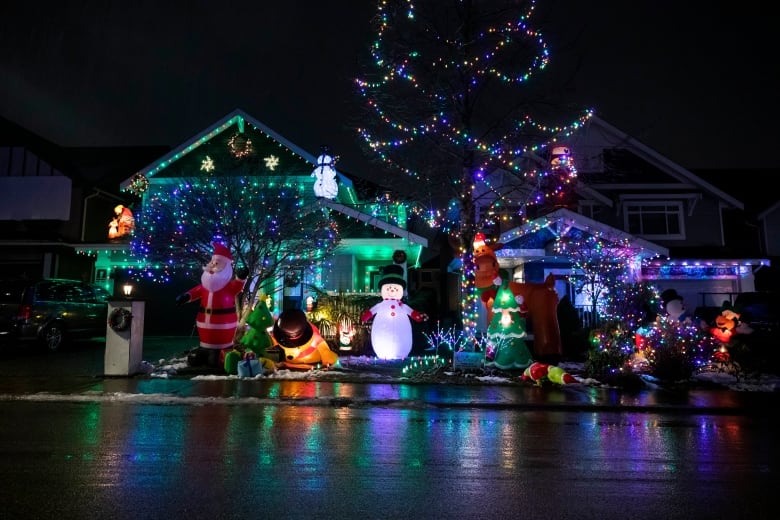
695	81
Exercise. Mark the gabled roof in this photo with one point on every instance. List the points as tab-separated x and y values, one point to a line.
562	220
661	162
237	117
13	135
770	210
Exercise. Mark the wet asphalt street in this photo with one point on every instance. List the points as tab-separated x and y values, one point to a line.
74	444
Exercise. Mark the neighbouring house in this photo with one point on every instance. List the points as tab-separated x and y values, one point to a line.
53	199
687	233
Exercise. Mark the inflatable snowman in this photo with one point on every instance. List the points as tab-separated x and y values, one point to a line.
391	332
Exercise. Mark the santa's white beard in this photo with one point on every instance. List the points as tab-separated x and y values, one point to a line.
215	281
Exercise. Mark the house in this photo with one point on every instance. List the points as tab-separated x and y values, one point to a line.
687	233
379	232
48	197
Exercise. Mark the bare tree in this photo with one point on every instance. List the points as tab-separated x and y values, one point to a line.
447	101
600	265
266	225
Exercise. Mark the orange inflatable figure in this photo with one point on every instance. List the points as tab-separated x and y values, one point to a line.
303	346
125	220
541	299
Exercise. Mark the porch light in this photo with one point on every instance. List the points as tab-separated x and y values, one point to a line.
127	289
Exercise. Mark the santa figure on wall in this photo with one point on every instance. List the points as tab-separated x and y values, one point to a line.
217	317
125	220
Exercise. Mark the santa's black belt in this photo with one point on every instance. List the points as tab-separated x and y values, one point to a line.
217	311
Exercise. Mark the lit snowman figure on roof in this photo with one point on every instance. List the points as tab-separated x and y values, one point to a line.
325	176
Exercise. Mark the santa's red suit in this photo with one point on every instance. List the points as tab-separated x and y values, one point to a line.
125	220
217	318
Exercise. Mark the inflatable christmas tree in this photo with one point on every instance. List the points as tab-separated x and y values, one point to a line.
257	338
507	331
255	342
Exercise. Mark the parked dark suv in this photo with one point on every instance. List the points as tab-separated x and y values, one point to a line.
52	311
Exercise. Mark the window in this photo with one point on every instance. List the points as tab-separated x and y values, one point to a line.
659	220
590	209
101	295
81	294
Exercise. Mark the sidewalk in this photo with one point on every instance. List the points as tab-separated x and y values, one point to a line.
362	386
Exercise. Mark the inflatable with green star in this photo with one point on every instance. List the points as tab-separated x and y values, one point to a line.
507	331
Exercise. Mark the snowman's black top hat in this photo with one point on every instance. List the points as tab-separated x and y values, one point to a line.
393	273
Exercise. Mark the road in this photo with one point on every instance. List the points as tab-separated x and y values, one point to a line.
100	458
128	461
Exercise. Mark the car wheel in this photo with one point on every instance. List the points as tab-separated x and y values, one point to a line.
54	337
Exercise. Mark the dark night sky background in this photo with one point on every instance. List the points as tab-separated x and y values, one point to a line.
696	81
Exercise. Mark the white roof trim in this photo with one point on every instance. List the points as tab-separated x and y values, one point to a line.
584	223
370	219
771	209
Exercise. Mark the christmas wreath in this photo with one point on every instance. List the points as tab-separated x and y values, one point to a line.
119	319
138	184
240	146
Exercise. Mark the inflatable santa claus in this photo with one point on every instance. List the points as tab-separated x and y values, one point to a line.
217	318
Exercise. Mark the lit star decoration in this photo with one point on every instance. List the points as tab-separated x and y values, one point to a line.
207	165
271	162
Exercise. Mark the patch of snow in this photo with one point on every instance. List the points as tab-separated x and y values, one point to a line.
372	369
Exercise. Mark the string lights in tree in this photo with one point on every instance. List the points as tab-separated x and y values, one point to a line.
676	350
444	96
599	264
264	222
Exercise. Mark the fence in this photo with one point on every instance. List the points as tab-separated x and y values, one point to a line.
588	318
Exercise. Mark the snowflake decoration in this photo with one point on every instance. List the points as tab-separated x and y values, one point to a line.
271	162
138	184
207	165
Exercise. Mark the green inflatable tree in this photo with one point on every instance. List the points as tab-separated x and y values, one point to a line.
257	339
507	331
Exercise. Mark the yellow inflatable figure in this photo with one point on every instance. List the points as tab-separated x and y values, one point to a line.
303	346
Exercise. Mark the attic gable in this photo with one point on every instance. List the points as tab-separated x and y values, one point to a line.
589	147
236	144
239	145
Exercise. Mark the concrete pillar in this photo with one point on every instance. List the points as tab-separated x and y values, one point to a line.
124	342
